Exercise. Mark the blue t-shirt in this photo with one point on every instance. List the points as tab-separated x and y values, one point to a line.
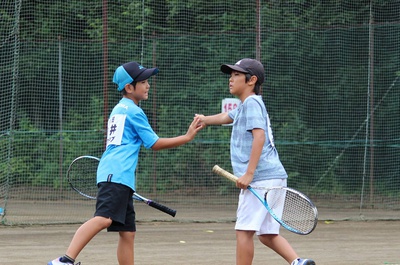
128	128
249	115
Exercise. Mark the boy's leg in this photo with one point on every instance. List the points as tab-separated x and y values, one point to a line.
280	245
244	247
85	233
125	251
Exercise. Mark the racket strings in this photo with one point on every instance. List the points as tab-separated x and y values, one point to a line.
293	209
82	177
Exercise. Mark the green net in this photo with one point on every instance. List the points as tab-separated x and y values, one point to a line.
332	93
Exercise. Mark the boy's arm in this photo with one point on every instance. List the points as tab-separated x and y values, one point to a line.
218	119
258	142
166	143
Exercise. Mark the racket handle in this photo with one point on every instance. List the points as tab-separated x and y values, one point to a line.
222	172
162	208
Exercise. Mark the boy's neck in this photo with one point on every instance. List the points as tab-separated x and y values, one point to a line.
243	96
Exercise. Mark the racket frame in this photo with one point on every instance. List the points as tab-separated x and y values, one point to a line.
69	179
135	196
218	170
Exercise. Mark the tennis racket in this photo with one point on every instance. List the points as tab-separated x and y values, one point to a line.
290	208
81	176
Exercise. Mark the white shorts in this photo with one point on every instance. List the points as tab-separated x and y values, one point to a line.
251	213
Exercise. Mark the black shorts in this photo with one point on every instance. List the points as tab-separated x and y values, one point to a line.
115	201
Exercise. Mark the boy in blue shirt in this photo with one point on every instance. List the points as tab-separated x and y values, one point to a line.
255	161
128	129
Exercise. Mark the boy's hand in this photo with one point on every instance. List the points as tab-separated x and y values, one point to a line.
194	127
201	118
244	181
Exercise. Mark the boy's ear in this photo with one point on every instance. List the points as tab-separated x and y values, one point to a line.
253	80
129	88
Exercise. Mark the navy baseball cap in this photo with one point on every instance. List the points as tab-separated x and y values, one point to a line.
247	66
132	72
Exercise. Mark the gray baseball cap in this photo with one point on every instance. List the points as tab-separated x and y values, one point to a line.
247	66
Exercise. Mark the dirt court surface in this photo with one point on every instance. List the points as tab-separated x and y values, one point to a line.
332	243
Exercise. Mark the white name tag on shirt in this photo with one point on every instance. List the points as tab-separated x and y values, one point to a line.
115	129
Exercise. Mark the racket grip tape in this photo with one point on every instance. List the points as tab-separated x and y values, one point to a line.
162	208
222	172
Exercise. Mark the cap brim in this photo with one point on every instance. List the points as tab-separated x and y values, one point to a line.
146	74
228	68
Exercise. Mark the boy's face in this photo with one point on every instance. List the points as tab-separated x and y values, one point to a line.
237	83
139	92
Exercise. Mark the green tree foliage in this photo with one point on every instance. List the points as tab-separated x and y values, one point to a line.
316	54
